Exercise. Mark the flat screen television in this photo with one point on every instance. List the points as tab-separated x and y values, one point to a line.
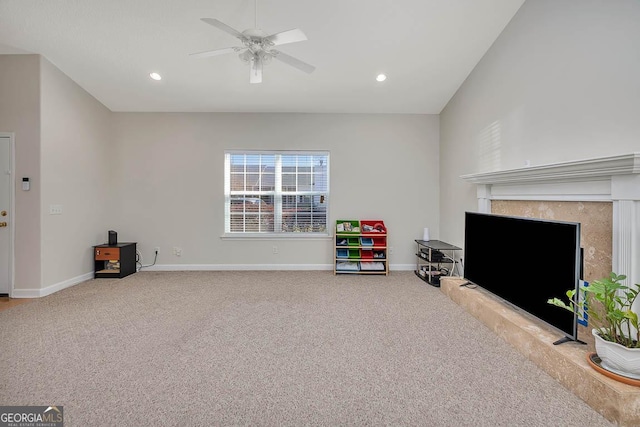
525	261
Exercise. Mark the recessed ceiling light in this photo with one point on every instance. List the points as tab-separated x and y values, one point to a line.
155	76
381	77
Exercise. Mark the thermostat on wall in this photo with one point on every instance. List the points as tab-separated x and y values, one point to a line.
25	184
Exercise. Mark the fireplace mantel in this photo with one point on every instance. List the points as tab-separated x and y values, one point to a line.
588	169
613	179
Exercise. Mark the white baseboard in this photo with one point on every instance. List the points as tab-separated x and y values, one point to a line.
237	267
37	293
258	267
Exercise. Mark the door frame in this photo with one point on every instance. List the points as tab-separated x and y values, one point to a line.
12	210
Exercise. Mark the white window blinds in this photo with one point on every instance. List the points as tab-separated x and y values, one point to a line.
276	192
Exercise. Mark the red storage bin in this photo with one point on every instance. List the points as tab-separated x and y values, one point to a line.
366	253
379	241
372	227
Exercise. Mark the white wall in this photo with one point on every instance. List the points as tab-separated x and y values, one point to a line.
168	180
562	82
20	114
76	172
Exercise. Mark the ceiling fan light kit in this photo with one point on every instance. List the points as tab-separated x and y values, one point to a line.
257	47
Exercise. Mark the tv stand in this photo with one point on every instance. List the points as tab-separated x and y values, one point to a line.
435	259
568	339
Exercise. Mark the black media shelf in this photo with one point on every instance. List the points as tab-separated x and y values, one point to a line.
435	259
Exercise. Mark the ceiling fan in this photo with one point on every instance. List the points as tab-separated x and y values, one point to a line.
257	47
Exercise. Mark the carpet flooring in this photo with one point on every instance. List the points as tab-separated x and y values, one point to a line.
271	348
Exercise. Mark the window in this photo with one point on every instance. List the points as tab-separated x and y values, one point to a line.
276	192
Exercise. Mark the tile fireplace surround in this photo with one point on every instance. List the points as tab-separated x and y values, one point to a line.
613	179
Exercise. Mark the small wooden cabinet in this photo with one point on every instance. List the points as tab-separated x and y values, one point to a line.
114	261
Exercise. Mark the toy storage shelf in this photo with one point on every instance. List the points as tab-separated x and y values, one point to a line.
361	247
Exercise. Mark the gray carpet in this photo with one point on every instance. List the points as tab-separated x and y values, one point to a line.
273	349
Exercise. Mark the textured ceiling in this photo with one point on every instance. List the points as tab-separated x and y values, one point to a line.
426	47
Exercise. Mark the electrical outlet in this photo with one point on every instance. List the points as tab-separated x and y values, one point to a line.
177	251
55	209
390	250
157	249
275	249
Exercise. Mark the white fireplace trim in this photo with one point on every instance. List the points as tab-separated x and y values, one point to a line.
581	170
613	179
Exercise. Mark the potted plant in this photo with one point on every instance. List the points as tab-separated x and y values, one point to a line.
608	304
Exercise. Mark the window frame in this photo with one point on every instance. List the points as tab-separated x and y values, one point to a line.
278	194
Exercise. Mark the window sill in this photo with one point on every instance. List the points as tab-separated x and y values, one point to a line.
275	236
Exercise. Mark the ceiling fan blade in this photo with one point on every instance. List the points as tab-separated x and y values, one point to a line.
289	36
216	52
256	70
224	27
290	60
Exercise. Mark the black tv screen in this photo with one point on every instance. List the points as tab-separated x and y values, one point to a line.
525	261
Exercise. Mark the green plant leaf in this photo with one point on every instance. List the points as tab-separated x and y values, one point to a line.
612	316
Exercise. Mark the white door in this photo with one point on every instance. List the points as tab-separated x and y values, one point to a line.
5	214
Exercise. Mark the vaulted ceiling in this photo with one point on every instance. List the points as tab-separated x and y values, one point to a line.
426	48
